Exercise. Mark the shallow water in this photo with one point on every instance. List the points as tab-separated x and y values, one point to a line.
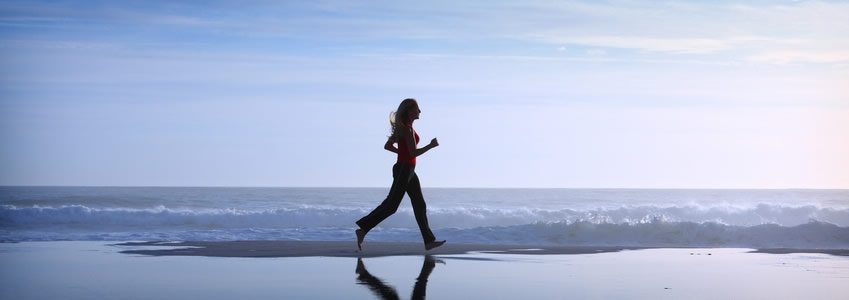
86	270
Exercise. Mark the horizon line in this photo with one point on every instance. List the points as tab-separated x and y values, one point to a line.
431	187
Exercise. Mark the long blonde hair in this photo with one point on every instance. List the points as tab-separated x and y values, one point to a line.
402	115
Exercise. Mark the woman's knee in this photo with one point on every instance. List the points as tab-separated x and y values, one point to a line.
393	201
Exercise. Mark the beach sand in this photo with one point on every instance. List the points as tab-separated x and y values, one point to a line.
342	249
334	270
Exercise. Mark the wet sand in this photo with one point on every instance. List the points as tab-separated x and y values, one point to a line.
342	249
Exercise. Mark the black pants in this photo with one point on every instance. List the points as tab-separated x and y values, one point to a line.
405	181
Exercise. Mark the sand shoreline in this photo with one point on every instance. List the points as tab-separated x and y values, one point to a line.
379	249
342	249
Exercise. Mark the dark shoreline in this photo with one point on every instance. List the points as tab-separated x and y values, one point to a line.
838	252
343	249
379	249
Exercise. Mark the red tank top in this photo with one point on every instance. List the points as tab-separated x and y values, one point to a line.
404	153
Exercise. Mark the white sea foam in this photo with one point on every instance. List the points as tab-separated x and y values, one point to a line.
762	225
456	217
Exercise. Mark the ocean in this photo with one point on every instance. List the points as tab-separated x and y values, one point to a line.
802	219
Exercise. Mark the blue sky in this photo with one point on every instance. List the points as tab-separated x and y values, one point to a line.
630	94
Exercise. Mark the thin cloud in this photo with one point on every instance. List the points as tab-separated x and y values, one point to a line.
671	45
785	57
804	32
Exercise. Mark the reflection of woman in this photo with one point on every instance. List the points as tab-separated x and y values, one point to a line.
382	290
387	292
404	174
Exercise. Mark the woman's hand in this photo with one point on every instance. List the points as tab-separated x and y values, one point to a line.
433	143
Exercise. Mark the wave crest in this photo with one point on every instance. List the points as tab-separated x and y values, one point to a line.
456	217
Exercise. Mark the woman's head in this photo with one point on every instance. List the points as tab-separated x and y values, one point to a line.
407	111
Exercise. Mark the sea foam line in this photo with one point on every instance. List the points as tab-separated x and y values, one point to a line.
457	217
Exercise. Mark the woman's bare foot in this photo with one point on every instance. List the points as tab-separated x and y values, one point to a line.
433	244
361	235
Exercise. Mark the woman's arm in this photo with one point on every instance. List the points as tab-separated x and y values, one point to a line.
390	145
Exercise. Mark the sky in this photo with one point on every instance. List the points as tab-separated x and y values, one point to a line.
537	94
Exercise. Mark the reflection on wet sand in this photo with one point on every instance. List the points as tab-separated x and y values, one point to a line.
384	291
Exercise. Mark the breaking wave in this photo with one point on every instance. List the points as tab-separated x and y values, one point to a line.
757	226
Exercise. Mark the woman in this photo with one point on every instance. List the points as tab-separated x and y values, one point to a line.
404	174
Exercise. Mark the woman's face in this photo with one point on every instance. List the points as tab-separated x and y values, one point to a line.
414	112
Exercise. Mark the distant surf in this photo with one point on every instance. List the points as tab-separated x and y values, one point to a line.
559	217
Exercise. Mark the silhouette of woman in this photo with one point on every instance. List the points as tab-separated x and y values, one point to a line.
404	175
385	291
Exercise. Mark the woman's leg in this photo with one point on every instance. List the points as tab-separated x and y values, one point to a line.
414	190
401	174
